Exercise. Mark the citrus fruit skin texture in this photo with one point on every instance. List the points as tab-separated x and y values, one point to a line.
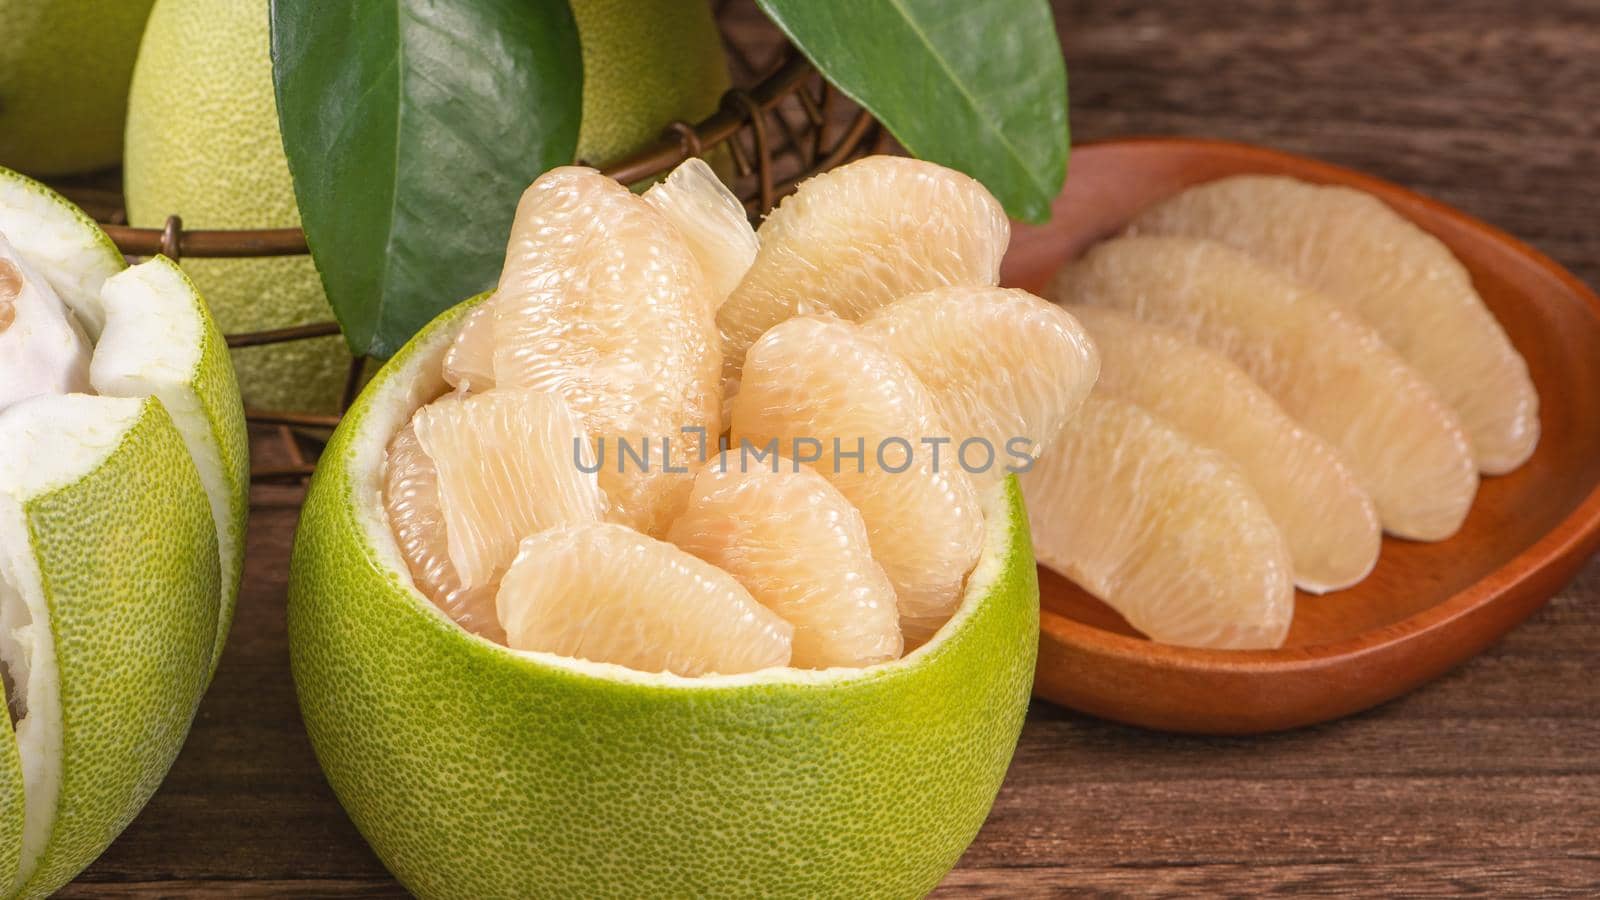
120	521
607	593
1403	281
125	558
860	237
477	771
802	551
203	143
1323	365
64	70
1165	531
1328	521
159	340
11	803
824	381
646	63
1001	363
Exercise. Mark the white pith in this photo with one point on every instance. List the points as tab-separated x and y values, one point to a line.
46	443
397	395
42	349
62	244
151	346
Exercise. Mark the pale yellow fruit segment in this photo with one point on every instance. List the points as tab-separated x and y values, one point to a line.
1327	519
820	391
860	237
411	497
1165	531
607	593
469	363
801	550
601	302
1325	366
712	221
470	477
1359	253
1006	368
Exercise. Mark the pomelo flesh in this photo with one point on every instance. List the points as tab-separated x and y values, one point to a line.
606	593
1406	283
859	237
859	781
820	387
602	302
1326	517
802	550
1165	531
1323	365
1006	368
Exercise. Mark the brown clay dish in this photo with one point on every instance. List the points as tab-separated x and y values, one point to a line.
1426	607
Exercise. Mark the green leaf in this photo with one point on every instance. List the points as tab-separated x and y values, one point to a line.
977	85
412	127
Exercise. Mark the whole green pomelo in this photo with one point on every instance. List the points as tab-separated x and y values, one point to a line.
203	142
64	68
478	771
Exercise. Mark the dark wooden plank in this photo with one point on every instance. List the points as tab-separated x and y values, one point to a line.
1486	781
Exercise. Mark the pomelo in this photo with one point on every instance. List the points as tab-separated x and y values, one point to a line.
203	142
121	515
64	69
475	770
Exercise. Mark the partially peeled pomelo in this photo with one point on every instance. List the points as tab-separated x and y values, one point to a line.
477	770
121	516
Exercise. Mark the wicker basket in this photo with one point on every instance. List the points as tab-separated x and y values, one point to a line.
782	123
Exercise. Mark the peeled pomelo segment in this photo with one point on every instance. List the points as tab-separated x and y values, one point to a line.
1326	518
158	340
508	463
1006	368
860	237
109	579
712	221
801	550
607	593
823	393
42	349
61	243
469	363
1406	283
1167	532
687	779
411	497
601	301
1325	367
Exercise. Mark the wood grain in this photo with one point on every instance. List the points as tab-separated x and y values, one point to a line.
1486	781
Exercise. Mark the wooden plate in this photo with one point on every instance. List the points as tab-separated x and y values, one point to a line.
1426	607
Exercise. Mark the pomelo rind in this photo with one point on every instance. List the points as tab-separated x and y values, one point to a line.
62	242
476	770
108	541
159	341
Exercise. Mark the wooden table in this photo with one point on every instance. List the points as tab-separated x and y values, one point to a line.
1488	780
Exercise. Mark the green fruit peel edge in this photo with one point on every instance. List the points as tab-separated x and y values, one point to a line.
474	770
